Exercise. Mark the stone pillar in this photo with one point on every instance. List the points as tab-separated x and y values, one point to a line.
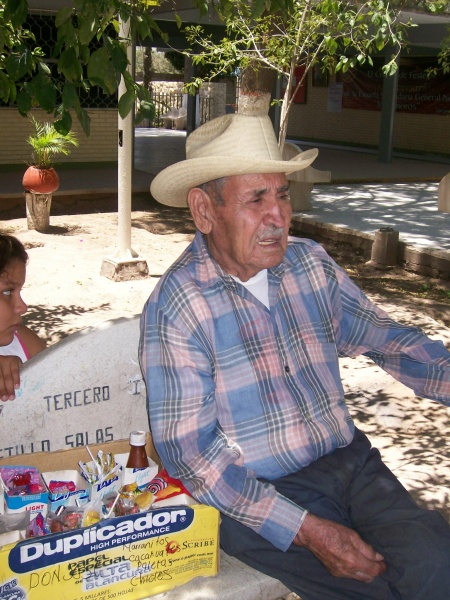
385	248
38	211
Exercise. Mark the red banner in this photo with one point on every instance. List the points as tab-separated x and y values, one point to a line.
300	96
417	91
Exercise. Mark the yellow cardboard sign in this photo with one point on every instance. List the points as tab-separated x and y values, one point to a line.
133	557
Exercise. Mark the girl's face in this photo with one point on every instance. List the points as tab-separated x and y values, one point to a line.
12	307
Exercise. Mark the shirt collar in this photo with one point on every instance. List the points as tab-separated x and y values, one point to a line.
209	273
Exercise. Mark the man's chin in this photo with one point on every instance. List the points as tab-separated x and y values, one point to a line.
271	256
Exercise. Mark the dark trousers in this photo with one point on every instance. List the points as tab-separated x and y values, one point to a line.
353	487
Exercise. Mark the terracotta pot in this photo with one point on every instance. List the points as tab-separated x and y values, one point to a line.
40	181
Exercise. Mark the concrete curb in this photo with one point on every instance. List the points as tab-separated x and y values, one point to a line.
423	261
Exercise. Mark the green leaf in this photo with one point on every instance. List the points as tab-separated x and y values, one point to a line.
331	45
4	87
63	15
19	63
119	57
101	71
258	8
2	39
43	68
24	102
84	119
64	124
12	92
87	26
69	65
66	37
147	110
178	20
16	11
126	103
69	95
45	93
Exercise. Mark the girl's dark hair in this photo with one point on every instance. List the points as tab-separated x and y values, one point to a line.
10	249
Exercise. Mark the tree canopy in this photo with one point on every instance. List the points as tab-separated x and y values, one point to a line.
89	52
277	34
282	35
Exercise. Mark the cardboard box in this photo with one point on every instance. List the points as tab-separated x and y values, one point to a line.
33	503
108	486
140	476
77	498
135	556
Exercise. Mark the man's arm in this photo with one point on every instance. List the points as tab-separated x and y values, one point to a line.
178	369
405	352
340	549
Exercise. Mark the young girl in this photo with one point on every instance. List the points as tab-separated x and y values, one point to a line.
17	342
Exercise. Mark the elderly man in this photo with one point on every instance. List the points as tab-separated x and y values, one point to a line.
239	346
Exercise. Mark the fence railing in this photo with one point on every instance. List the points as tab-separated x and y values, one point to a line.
165	101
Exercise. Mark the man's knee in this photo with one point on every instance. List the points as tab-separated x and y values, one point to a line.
419	567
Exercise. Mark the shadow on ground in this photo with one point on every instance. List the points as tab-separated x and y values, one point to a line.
55	319
412	436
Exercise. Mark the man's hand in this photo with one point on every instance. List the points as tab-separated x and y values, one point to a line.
340	549
9	376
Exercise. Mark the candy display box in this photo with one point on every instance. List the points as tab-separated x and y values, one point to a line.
140	476
98	490
76	498
135	556
33	502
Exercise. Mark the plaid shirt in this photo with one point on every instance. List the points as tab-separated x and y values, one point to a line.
238	392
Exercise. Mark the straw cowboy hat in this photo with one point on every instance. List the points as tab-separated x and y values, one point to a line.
234	144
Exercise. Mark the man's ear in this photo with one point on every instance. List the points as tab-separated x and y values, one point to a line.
200	205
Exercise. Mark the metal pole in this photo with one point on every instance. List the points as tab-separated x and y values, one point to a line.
125	167
124	263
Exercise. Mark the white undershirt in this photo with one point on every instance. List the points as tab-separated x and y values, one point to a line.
258	285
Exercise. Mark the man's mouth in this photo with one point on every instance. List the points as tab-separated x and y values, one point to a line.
271	237
268	242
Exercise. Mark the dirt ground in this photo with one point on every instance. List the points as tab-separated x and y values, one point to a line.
66	292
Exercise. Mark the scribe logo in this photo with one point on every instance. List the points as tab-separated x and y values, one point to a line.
172	547
111	533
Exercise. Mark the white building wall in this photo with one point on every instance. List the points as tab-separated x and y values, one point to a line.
100	146
418	133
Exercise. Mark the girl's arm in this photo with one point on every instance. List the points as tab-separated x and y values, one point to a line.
10	365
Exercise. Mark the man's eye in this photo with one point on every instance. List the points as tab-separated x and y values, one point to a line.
7	292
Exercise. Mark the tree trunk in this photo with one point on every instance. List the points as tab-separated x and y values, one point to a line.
256	87
147	67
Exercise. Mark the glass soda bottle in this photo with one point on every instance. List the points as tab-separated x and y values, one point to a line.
137	459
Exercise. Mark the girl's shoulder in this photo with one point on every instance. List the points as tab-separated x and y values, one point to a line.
30	340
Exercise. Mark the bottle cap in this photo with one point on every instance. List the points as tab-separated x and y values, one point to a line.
138	438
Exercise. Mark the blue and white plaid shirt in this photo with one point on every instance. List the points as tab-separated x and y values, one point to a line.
238	392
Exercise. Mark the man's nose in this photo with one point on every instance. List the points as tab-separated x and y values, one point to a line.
277	212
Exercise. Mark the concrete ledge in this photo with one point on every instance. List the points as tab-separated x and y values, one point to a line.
88	389
424	261
235	581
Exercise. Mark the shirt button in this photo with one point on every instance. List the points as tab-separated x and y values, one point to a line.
287	369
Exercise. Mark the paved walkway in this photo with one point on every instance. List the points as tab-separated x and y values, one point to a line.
364	194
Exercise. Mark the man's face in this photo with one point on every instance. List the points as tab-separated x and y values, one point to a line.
249	231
